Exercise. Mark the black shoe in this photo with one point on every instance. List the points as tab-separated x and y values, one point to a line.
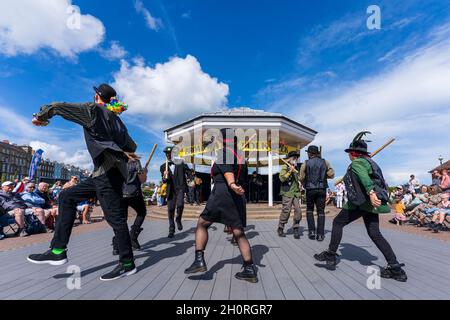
115	247
431	225
320	237
171	234
393	221
438	227
296	233
281	233
49	258
394	271
199	264
248	274
312	235
179	225
119	271
329	257
134	234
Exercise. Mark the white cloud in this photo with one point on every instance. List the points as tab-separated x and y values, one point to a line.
409	100
114	52
168	92
152	22
27	26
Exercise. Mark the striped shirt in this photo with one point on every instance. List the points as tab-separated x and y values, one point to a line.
84	115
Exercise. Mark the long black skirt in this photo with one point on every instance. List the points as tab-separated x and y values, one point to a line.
225	206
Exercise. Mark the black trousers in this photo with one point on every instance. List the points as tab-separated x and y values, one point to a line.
316	198
371	221
138	204
108	190
175	202
198	189
254	193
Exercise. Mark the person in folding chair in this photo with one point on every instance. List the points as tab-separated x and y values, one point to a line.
6	221
225	205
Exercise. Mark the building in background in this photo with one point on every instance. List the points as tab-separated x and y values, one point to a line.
15	163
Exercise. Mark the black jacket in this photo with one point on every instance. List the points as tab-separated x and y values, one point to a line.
176	182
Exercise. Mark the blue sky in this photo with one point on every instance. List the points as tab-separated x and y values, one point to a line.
313	61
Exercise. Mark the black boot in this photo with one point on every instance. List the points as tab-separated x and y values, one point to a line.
280	232
312	235
199	264
329	257
297	233
134	234
438	227
115	246
248	273
320	237
394	271
179	225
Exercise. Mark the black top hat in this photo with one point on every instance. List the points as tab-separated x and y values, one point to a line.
106	92
293	154
313	150
358	144
168	149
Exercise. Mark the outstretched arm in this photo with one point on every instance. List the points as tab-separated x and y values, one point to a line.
80	113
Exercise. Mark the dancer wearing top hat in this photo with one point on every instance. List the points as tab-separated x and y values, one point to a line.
175	176
108	143
367	197
313	175
290	191
226	205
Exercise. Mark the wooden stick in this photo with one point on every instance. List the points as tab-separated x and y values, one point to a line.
287	163
372	155
151	156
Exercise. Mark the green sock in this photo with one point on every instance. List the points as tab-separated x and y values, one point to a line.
128	264
58	251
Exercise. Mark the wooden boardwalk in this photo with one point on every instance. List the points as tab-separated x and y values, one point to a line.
286	268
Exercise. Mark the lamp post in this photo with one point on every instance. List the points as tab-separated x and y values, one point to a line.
440	159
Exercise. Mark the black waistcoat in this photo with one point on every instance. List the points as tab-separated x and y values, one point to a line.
355	190
316	174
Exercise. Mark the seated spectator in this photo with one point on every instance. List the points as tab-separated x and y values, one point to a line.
445	180
5	220
55	191
423	210
13	205
84	208
72	182
20	187
418	198
439	213
436	178
50	209
407	198
34	201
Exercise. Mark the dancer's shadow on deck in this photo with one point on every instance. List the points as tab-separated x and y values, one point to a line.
258	252
356	253
153	256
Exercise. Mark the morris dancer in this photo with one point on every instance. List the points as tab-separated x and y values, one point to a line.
225	205
367	197
108	142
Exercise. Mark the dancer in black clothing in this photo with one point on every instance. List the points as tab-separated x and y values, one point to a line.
132	193
225	205
175	176
108	143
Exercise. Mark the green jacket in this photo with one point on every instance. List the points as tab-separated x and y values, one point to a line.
362	168
290	186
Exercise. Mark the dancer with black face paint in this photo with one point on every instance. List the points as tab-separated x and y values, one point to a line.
226	205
